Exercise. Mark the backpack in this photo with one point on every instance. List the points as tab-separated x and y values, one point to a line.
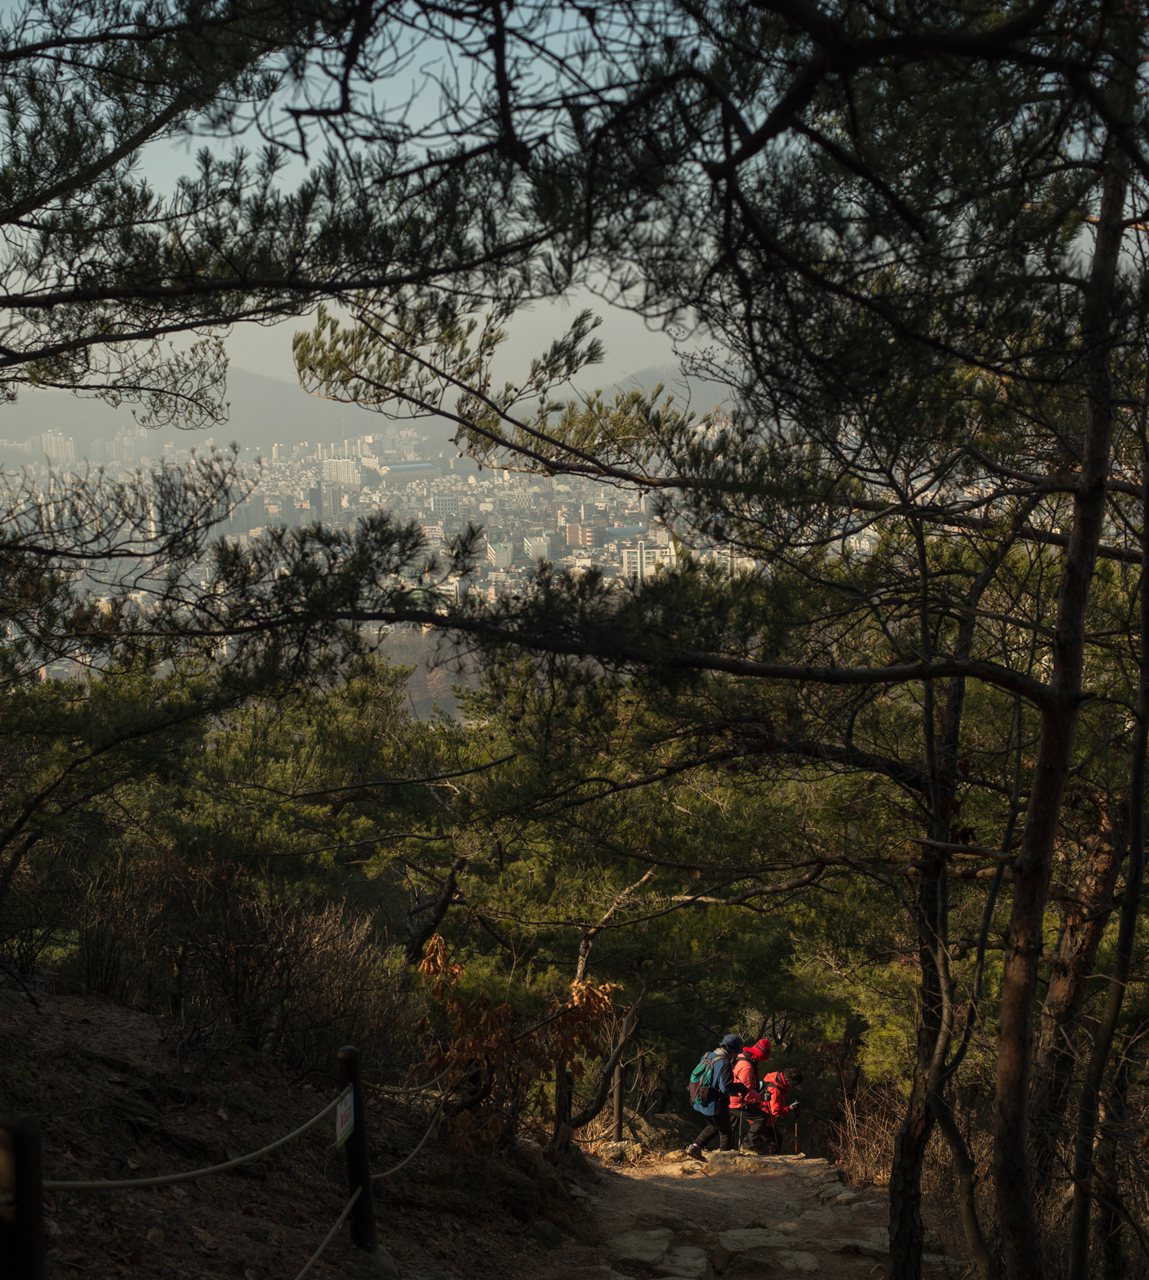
754	1074
701	1085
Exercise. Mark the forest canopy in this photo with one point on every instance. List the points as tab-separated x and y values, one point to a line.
913	238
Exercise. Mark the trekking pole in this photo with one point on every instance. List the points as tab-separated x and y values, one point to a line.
795	1135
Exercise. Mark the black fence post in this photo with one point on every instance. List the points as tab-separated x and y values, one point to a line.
362	1218
21	1176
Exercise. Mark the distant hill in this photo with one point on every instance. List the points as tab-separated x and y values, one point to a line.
262	412
701	394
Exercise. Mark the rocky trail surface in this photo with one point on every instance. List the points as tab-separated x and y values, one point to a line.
739	1217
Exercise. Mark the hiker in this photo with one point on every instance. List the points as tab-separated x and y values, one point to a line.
775	1088
713	1100
751	1105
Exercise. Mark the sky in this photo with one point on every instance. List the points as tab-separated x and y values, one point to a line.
630	345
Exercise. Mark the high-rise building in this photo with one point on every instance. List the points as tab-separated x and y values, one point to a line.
344	471
256	507
333	495
56	448
639	562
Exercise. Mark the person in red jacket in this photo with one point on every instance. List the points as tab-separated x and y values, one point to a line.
775	1089
751	1105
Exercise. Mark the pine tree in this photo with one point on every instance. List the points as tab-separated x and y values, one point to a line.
909	236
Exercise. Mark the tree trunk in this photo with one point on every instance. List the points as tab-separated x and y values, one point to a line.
564	1100
1084	920
421	934
1127	929
907	1232
935	1030
560	1138
967	1185
1021	1240
1110	1212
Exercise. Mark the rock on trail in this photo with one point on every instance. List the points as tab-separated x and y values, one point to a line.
741	1216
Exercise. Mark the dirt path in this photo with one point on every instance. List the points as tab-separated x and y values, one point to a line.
738	1217
114	1098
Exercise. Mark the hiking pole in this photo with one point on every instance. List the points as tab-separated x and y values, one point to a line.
795	1135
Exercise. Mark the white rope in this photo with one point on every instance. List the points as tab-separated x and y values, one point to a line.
327	1238
414	1153
418	1088
167	1179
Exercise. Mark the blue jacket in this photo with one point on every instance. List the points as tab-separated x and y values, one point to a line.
722	1076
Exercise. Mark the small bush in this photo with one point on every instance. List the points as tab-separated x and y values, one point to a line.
35	915
229	959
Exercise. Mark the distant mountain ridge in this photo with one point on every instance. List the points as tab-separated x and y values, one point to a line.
701	394
264	411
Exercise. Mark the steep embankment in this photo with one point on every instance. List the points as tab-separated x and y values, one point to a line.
117	1099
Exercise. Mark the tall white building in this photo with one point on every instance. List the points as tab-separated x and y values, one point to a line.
56	448
341	470
638	562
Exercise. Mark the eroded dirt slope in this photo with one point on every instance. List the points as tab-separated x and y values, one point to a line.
116	1100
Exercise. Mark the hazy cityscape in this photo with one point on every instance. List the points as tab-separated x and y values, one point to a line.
310	466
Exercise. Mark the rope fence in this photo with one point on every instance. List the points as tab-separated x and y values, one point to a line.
395	1089
328	1237
167	1179
22	1184
435	1115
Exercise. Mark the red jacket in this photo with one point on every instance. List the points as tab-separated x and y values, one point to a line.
746	1067
777	1087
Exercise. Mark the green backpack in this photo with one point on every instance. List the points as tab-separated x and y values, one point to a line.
701	1085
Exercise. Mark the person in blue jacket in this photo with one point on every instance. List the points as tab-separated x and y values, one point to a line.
718	1108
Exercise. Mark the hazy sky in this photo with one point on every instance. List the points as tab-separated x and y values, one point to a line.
630	345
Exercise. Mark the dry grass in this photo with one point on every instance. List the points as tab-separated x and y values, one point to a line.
863	1146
